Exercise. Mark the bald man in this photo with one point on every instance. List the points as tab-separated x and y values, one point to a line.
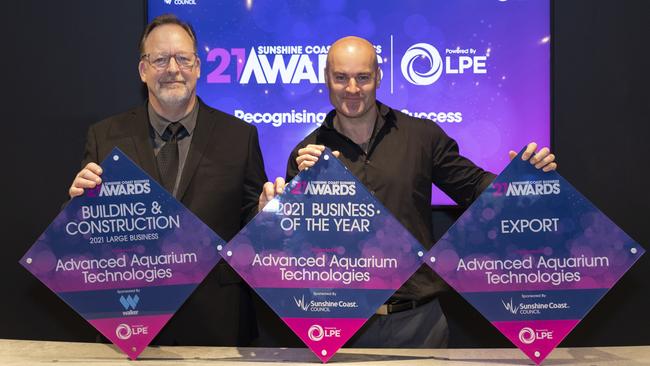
397	157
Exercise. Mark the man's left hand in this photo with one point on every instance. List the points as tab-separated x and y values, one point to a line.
542	159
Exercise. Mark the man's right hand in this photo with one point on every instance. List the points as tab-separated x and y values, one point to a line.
88	177
269	191
308	156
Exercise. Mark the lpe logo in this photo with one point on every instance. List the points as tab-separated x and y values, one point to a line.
529	335
125	331
316	332
456	61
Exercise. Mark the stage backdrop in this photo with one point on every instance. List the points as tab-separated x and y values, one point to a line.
478	68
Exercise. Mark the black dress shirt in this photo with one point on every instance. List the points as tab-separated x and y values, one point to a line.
404	158
158	127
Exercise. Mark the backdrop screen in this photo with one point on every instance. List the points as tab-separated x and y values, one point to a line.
478	68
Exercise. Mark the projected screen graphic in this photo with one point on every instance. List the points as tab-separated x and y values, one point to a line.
478	68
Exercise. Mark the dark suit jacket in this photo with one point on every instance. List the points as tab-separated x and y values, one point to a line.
220	183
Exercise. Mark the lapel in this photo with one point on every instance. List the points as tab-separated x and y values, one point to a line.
141	140
202	135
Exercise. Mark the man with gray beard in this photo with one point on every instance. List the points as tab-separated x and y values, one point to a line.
210	161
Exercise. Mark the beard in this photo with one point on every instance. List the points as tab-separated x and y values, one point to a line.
175	95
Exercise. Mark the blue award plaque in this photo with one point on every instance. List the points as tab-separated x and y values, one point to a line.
324	255
125	255
533	256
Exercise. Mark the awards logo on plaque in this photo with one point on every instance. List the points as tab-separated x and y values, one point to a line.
533	256
125	255
324	255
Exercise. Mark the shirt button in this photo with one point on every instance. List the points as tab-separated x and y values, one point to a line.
367	161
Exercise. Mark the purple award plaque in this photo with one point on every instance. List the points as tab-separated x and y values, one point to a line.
125	255
324	255
533	256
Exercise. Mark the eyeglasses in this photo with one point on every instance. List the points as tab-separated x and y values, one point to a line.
160	61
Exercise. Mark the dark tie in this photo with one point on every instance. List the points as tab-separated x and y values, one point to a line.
168	156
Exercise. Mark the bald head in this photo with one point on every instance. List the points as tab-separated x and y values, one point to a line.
352	76
352	47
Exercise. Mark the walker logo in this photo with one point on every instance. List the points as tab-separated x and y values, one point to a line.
323	188
129	301
526	188
528	335
456	61
125	331
510	306
127	188
316	332
301	303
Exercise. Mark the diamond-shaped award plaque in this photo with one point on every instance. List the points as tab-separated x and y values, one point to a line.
324	255
125	255
533	256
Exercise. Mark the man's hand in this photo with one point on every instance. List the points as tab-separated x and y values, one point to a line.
269	190
88	177
542	159
308	156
